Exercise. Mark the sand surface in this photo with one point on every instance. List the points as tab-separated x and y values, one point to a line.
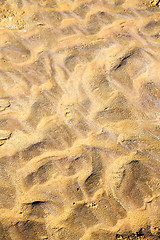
79	119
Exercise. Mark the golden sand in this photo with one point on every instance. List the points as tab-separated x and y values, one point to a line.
79	119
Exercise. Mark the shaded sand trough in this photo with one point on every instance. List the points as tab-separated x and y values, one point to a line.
79	120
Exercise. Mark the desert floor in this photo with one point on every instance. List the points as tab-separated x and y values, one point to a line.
79	119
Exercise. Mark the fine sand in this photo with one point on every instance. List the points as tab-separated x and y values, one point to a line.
79	119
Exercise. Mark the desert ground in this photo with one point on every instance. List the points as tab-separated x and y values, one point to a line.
79	119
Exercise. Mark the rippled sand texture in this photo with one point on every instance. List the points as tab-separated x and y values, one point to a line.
79	119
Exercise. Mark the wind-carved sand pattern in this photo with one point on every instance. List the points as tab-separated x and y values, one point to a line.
79	120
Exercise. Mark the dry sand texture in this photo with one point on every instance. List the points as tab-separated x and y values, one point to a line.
79	119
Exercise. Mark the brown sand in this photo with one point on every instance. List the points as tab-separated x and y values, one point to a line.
79	119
